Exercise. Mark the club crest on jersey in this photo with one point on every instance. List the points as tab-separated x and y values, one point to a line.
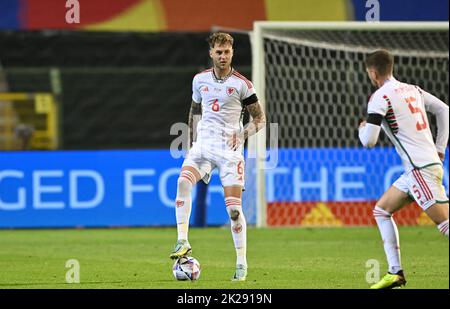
231	91
205	89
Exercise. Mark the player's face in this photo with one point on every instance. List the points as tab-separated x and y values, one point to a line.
221	56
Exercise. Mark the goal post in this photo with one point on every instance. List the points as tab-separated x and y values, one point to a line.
311	82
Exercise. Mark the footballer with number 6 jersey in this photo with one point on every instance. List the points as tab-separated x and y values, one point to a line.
400	109
219	96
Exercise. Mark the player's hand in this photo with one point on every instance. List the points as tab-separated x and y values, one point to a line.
235	141
362	124
441	156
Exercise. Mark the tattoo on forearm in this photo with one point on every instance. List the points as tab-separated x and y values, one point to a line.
258	121
195	115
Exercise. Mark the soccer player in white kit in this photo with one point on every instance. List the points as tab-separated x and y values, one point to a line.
219	96
400	109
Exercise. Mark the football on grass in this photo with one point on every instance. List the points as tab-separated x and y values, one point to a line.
186	268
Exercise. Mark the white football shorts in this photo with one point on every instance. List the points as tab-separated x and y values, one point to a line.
206	159
424	185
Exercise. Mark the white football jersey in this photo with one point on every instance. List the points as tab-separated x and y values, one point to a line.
222	105
405	122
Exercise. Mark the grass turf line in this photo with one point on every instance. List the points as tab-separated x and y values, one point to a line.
294	258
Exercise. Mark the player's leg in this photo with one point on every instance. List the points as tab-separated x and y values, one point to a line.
392	200
438	212
195	167
189	176
231	171
233	202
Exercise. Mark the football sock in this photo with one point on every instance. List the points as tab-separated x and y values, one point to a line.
238	228
389	235
184	203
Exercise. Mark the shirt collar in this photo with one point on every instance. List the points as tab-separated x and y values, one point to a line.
392	79
222	80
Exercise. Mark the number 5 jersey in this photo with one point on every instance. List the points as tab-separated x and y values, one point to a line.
405	122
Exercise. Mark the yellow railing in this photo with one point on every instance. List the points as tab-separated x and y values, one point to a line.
37	111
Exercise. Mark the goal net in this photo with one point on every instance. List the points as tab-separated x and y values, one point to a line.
311	79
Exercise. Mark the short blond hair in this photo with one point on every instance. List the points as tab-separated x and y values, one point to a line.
220	38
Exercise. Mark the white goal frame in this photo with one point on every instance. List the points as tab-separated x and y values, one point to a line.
257	142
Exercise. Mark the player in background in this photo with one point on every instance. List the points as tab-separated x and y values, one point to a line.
219	96
400	109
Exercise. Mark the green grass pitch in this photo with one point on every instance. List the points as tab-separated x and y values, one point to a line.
317	258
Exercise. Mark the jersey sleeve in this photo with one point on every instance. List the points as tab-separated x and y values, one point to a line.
432	103
196	96
440	110
248	93
247	90
378	104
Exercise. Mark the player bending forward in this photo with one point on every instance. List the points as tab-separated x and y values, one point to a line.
218	97
400	109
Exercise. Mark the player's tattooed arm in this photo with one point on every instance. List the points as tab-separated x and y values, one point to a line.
258	119
258	122
195	114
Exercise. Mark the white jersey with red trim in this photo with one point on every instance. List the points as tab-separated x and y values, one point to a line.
405	122
222	105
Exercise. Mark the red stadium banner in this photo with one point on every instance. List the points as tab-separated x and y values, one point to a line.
333	214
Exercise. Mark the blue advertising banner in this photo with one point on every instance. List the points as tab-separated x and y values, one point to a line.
138	188
93	189
411	10
334	174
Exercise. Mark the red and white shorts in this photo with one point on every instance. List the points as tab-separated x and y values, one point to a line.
205	160
424	185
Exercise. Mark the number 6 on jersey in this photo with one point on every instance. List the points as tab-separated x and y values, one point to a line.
215	105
